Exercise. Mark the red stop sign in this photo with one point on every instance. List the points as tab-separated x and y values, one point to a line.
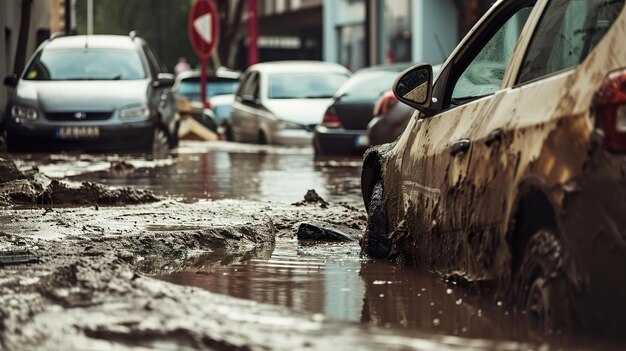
203	27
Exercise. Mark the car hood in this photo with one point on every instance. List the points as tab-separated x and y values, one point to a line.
61	96
300	111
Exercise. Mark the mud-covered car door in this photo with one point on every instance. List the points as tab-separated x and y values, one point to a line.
536	139
439	150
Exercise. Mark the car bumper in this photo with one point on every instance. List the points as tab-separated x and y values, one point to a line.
339	141
126	137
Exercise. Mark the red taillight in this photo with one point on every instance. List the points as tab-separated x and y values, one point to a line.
331	120
207	104
609	105
385	103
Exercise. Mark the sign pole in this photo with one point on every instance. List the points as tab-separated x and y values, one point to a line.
203	72
253	33
203	28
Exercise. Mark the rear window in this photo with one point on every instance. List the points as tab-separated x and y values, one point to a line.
305	85
568	31
190	87
86	64
367	85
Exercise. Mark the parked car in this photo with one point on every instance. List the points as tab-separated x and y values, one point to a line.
282	102
221	87
96	92
513	170
343	130
390	117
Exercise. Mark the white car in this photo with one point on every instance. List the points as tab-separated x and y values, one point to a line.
282	102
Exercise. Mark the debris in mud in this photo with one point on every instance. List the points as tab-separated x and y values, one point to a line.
311	197
92	193
320	231
122	168
18	188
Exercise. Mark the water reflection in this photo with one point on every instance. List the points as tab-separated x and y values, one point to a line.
332	279
216	171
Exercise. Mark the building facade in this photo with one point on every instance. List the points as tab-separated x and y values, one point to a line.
360	33
37	31
290	30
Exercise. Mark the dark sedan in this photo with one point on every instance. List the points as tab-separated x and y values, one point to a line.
344	128
390	118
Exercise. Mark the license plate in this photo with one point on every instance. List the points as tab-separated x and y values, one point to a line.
77	132
361	140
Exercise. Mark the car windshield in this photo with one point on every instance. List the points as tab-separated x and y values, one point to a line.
305	85
86	64
190	87
368	85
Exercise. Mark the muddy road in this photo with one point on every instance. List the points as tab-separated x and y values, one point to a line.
209	258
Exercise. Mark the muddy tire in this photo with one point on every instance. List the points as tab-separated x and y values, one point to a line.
541	285
375	242
3	142
262	139
175	139
228	132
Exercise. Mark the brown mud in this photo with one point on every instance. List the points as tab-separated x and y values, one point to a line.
34	188
91	289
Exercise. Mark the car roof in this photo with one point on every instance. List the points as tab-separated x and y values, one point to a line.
298	66
122	42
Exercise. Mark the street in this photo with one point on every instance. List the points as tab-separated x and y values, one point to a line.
235	237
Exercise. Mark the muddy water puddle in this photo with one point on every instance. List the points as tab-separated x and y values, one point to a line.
332	280
215	170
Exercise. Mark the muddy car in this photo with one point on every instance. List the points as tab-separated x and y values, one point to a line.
513	170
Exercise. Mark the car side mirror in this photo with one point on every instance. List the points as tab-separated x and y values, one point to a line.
414	87
11	80
164	80
250	100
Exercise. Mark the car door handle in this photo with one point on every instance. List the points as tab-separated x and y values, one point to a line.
460	147
495	136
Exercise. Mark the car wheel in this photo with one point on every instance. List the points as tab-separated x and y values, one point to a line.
228	132
375	242
175	138
3	142
160	142
262	138
541	285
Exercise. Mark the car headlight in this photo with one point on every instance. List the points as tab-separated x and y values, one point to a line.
24	112
288	125
135	112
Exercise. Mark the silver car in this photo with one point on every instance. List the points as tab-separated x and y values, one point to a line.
92	93
282	102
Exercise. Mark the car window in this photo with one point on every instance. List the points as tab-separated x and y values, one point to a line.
155	68
249	86
566	34
484	74
190	87
242	83
86	64
252	85
367	84
305	85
